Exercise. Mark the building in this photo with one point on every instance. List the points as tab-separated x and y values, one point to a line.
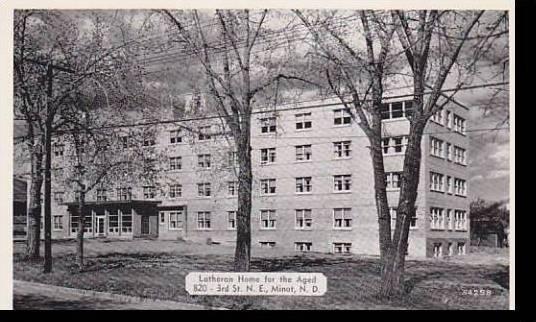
313	184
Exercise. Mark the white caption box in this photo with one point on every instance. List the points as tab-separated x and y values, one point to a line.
234	283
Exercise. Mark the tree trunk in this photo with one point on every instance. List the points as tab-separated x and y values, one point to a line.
393	270
34	217
382	206
243	217
47	195
80	232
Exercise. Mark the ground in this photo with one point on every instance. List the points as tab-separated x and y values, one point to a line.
157	269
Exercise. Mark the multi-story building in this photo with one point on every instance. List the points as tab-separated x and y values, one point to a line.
312	190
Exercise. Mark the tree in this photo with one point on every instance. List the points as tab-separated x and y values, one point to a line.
54	60
432	42
356	75
489	218
360	61
237	75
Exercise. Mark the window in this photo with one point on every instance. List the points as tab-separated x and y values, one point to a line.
267	244
342	183
203	220
342	248
149	192
124	142
267	155
268	186
438	250
436	218
342	218
58	197
303	185
394	145
448	150
438	117
413	221
448	119
149	140
449	184
203	161
460	220
102	194
175	220
436	182
459	124
232	188
304	219
450	249
449	220
396	110
175	190
436	147
58	149
459	155
175	136
460	188
203	189
57	222
268	124
231	220
342	149
126	220
74	223
341	117
303	246
393	180
303	121
204	133
232	159
113	223
124	193
268	219
304	152
175	163
461	248
161	218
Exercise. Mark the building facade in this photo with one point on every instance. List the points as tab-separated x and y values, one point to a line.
312	187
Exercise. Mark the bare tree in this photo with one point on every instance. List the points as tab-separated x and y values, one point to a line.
54	59
237	75
431	43
355	73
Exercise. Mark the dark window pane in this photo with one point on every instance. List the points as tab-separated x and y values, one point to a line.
397	109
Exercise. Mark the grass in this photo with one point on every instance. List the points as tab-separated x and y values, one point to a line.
157	269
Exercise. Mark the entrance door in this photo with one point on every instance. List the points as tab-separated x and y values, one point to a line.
99	229
145	225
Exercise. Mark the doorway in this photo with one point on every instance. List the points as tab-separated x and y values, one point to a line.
99	226
145	225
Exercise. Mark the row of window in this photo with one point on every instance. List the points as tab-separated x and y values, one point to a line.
342	219
448	219
441	183
306	246
451	120
304	185
438	249
445	150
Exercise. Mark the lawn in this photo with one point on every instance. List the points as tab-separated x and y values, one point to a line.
157	269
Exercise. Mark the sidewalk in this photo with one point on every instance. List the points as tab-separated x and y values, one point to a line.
36	296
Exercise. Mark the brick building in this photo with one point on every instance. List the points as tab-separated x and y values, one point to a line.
312	189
